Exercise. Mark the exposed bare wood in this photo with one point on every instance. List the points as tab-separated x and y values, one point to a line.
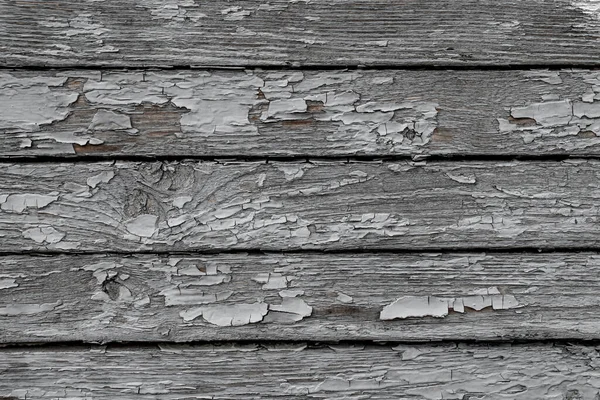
183	206
321	113
533	371
398	297
284	32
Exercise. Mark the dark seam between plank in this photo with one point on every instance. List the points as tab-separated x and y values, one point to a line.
348	252
311	344
294	158
312	67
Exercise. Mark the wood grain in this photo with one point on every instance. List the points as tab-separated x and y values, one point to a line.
306	296
299	113
181	206
301	33
532	371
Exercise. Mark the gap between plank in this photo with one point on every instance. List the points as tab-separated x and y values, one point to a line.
259	252
311	67
292	159
142	345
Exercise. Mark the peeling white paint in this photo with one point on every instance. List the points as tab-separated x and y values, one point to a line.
432	306
43	234
271	280
28	103
558	120
102	177
143	225
28	309
105	120
228	314
7	283
295	306
344	298
178	296
21	202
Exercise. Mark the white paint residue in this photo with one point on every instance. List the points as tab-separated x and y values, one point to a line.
462	178
235	13
7	283
102	177
271	280
143	225
415	306
589	7
557	120
44	234
291	172
179	202
20	202
28	309
296	307
344	298
26	104
284	109
105	120
432	306
551	77
177	296
228	314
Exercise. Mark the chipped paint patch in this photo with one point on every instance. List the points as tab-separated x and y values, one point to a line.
7	283
105	120
178	296
558	120
295	308
143	225
103	177
28	309
29	103
589	7
21	202
438	307
43	234
228	314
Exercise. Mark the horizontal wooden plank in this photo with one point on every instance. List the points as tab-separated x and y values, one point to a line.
533	371
283	32
323	297
180	206
283	113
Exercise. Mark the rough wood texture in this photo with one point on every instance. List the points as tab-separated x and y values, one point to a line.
183	206
290	32
409	297
520	372
320	113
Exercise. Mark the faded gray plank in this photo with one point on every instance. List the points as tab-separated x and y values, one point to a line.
321	113
532	371
182	206
284	32
322	297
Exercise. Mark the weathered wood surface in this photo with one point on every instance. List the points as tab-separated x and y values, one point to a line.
315	113
305	33
526	372
132	206
308	296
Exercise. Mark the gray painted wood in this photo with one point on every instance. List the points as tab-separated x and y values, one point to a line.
307	296
170	206
283	32
315	113
520	372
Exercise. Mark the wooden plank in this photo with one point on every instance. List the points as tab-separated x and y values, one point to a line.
307	296
181	206
531	371
304	33
314	113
